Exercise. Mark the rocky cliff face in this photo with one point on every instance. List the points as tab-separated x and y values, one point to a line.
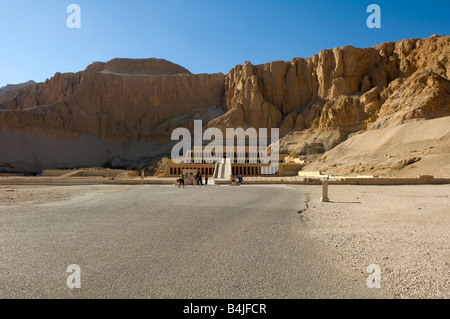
345	88
122	100
340	91
15	87
316	102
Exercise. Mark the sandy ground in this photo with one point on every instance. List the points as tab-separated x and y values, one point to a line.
403	229
28	195
407	150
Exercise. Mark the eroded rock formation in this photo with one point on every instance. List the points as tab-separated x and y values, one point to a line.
15	87
344	88
122	100
316	102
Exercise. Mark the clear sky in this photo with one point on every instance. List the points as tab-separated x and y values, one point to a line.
206	36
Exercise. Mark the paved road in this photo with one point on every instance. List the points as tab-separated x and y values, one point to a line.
164	242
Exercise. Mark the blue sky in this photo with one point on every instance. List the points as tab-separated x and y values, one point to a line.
205	36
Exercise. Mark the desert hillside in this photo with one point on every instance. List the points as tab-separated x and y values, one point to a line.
14	87
406	150
328	107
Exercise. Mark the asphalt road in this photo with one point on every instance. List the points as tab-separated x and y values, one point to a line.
167	242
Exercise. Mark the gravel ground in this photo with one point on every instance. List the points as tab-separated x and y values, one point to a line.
403	229
29	195
211	242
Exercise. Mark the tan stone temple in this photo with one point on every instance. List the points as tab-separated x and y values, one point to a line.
226	165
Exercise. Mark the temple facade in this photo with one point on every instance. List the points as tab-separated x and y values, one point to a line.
227	165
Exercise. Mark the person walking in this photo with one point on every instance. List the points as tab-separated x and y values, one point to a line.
197	177
181	180
206	179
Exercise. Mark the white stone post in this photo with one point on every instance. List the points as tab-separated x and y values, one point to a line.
324	197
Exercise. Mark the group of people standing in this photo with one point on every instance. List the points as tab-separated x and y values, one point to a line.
198	179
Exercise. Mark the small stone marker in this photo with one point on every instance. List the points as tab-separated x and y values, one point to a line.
324	197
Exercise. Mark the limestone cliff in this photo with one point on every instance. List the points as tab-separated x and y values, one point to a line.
15	87
122	100
317	102
346	89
